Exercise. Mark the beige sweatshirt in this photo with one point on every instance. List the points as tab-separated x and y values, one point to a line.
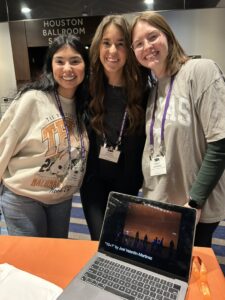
34	157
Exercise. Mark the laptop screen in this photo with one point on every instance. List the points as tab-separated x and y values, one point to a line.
154	235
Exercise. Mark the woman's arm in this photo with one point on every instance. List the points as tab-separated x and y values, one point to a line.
209	174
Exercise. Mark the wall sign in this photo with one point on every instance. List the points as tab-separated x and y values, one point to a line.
40	33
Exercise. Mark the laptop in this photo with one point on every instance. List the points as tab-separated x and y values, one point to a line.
144	253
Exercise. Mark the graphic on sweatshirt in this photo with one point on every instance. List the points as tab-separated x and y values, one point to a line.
60	172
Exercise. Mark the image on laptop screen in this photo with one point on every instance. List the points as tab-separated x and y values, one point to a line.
149	234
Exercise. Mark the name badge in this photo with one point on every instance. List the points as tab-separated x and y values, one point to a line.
109	154
157	165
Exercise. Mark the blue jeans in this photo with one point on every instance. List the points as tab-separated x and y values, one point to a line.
28	217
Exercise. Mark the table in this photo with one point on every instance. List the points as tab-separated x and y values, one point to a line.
58	260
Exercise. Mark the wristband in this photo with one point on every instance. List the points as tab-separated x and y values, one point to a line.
193	203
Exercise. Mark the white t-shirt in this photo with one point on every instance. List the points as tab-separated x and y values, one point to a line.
195	117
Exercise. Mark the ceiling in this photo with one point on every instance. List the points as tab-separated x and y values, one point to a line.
10	10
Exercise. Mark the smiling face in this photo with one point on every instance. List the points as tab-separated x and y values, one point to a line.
68	69
150	47
113	53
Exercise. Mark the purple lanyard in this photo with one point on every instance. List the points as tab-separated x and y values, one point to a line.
121	130
164	114
67	130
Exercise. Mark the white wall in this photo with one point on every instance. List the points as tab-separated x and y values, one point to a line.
199	31
7	72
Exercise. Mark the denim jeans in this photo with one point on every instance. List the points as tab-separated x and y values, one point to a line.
28	217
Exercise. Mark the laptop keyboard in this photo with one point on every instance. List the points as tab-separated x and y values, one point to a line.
129	283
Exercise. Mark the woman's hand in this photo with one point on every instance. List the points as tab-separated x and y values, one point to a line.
198	212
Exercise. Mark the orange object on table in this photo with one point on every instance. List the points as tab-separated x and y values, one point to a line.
58	260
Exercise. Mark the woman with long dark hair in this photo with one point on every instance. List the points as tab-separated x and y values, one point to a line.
44	145
117	117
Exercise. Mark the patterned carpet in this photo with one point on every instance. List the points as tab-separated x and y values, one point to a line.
78	226
219	244
79	230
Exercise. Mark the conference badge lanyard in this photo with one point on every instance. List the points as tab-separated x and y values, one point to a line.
70	179
112	153
158	162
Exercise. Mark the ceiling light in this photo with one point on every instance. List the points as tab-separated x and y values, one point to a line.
25	10
149	1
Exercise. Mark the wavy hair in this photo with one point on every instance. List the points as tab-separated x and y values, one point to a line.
131	76
47	83
176	55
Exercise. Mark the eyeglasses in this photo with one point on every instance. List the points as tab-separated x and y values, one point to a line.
150	38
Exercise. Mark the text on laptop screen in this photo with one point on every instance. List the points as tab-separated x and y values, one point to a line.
149	234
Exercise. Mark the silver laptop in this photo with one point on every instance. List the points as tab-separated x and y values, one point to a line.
144	253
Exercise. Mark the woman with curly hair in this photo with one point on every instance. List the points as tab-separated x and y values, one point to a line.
116	120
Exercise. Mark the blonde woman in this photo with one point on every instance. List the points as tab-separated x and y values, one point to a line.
184	154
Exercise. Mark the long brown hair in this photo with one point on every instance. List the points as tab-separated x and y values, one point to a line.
131	73
176	55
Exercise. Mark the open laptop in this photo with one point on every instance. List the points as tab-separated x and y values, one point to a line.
144	253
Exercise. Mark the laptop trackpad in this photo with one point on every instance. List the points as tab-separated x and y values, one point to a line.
96	294
83	291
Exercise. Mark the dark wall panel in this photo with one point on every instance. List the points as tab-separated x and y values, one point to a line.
20	50
42	9
3	11
40	33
